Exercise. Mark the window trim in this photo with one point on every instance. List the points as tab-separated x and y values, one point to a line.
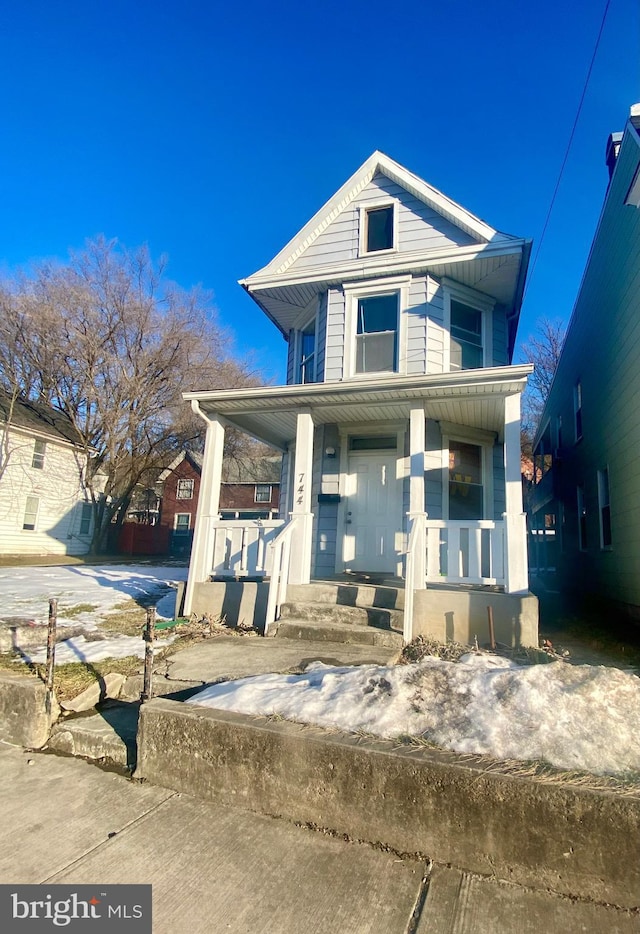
483	304
578	406
364	210
31	527
353	292
300	327
602	487
175	522
185	480
268	486
38	457
485	440
582	516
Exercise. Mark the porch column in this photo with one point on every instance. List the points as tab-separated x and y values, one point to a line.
515	526
417	509
301	542
208	505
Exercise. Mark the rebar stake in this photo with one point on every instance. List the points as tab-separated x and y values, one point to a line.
492	635
51	653
148	635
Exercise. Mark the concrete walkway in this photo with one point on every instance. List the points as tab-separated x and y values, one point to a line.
215	868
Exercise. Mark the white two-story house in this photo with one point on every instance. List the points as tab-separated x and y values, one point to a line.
400	420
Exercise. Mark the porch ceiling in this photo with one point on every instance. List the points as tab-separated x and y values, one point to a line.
474	398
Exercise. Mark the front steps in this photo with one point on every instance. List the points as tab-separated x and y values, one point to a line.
362	614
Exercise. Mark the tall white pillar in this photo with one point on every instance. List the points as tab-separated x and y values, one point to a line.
302	538
417	441
208	505
515	520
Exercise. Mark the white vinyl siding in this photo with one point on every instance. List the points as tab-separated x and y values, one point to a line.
57	488
334	352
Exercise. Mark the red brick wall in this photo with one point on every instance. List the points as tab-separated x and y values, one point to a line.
170	502
242	496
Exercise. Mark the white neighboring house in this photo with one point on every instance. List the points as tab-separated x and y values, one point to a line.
44	507
400	421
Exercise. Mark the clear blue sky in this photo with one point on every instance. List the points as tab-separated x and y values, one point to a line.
213	131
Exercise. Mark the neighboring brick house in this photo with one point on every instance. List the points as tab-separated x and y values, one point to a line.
249	491
181	486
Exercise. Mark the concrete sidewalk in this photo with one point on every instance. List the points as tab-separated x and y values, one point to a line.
216	868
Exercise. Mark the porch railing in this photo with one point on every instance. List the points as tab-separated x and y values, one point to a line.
239	547
466	552
280	554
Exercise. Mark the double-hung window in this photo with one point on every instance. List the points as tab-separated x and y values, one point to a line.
262	493
184	489
604	506
468	318
31	513
466	337
39	449
375	326
307	353
377	334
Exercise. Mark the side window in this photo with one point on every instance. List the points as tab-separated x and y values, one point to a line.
31	513
466	490
307	353
39	450
605	508
85	518
467	352
577	410
582	518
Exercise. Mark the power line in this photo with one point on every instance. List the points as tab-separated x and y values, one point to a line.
568	149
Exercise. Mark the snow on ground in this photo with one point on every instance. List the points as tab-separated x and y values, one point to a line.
573	717
25	594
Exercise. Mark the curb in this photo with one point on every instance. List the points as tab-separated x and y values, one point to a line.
543	834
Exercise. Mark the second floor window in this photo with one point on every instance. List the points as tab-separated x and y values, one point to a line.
377	334
466	337
184	489
577	409
39	449
307	354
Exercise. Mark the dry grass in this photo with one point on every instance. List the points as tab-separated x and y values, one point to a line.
72	611
74	677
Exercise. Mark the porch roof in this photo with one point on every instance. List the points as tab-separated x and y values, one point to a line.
473	398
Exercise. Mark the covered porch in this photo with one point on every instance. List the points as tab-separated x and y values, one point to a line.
336	436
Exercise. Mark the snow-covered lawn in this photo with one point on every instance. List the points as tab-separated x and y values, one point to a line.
575	717
94	590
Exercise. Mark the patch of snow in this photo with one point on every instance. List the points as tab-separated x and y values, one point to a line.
573	717
80	649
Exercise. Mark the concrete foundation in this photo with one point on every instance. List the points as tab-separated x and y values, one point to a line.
544	834
461	615
238	601
24	720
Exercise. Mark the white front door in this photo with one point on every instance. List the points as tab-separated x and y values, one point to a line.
373	513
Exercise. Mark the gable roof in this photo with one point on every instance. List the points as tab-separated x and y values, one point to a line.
378	162
246	470
37	418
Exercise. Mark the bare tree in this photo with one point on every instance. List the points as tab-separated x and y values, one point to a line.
107	340
543	349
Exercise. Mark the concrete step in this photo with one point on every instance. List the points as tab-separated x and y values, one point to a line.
109	735
347	594
349	615
337	632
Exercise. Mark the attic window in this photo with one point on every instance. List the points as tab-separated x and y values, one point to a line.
378	229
